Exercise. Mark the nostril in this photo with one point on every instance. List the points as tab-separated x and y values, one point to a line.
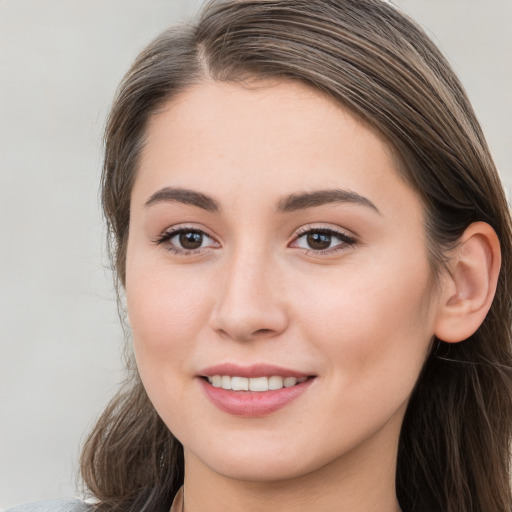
263	331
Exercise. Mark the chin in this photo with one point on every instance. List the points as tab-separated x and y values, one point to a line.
264	469
259	462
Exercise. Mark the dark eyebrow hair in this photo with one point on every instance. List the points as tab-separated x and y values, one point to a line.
295	202
185	196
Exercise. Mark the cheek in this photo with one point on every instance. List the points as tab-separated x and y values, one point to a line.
166	314
375	326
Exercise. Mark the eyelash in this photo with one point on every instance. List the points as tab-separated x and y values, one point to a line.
346	241
168	235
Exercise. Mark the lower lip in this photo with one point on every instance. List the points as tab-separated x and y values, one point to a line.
251	404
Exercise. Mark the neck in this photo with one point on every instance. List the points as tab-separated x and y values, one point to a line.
360	481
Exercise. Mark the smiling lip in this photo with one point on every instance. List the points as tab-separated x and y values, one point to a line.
255	370
249	403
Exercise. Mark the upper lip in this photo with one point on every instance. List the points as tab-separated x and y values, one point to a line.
254	370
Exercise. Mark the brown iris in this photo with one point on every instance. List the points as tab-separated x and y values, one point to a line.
191	240
318	240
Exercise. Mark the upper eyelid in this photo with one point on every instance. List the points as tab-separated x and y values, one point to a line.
325	227
186	227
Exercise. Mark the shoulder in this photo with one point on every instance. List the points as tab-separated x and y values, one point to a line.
54	506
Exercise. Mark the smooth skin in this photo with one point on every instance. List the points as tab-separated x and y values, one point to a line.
339	288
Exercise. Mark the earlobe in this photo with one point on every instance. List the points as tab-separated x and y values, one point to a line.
469	285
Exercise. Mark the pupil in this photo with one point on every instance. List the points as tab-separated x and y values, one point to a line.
319	240
191	240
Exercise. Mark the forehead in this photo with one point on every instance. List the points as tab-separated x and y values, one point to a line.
263	139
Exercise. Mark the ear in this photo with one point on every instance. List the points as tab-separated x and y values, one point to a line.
469	284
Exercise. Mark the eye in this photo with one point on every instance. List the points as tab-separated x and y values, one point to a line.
186	240
322	240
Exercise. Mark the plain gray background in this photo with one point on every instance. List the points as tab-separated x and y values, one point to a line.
60	62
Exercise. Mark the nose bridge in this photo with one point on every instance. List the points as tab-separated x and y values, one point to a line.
247	304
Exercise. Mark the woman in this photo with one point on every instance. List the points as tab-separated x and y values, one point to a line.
315	248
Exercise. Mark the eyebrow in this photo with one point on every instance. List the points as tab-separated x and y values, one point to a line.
291	203
295	202
185	196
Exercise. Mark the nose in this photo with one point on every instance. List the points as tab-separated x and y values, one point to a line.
250	302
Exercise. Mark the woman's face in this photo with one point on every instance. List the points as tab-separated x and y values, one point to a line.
273	243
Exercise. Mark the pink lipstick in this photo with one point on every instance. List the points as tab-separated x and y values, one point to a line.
252	391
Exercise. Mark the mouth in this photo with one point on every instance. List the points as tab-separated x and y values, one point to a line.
256	384
254	391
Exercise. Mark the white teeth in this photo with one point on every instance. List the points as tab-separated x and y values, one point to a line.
275	382
239	384
289	382
258	384
225	382
255	383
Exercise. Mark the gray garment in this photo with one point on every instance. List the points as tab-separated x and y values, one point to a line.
54	506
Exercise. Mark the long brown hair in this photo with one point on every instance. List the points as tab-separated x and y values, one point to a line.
454	450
